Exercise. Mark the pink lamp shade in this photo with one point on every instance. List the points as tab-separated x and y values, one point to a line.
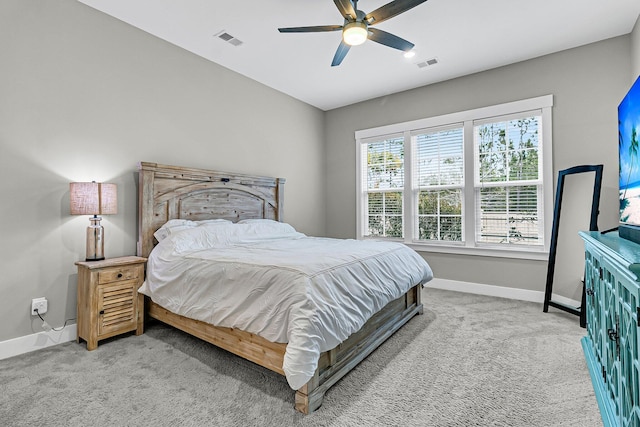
94	198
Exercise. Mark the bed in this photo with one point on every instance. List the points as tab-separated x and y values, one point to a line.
171	194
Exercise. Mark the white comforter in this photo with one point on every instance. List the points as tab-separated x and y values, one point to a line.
265	278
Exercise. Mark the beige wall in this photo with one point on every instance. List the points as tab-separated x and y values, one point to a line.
85	97
586	95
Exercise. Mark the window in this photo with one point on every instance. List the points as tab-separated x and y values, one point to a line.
439	185
471	182
384	187
508	181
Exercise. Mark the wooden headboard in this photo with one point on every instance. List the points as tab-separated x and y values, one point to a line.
173	192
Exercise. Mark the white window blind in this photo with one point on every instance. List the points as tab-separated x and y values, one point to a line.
384	187
439	175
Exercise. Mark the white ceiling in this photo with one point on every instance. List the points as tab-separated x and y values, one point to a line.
466	36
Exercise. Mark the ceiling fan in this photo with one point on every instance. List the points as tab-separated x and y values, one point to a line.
357	26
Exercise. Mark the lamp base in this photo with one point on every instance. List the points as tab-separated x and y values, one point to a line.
95	240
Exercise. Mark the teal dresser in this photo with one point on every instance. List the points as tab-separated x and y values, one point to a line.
612	341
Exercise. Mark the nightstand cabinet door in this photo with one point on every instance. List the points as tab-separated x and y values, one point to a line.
116	308
108	299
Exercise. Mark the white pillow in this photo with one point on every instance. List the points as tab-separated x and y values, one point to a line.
205	237
255	220
265	226
208	236
174	226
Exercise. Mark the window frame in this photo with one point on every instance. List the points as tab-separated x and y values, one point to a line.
541	105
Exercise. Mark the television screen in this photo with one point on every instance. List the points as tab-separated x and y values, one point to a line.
629	149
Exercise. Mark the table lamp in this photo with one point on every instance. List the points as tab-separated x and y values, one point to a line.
94	198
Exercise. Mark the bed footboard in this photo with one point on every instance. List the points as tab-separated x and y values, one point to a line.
337	362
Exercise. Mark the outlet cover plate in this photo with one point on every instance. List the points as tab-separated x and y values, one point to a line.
40	304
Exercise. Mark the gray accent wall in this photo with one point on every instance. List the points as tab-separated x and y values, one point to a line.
635	48
85	97
587	84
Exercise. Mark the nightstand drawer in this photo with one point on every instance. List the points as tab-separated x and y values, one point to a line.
117	274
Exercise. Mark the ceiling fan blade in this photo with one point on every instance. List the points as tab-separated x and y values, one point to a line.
342	51
346	9
390	10
389	39
314	29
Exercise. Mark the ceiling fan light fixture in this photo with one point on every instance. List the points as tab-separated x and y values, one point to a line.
355	33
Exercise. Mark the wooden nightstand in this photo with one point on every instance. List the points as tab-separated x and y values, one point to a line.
108	299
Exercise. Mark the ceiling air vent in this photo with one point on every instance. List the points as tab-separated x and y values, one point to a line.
229	38
427	63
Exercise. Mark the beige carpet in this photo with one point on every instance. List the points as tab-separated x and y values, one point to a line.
468	361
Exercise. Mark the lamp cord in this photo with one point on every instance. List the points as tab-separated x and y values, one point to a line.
53	329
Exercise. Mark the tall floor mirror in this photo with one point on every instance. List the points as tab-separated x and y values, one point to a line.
593	226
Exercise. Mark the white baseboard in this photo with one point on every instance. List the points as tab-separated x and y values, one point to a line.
40	340
37	341
498	291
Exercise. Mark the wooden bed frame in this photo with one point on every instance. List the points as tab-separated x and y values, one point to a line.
171	192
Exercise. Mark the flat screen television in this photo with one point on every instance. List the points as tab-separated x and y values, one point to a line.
629	149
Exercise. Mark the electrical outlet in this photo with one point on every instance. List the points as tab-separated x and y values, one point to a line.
40	304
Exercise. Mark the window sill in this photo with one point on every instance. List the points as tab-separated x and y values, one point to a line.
535	255
488	251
